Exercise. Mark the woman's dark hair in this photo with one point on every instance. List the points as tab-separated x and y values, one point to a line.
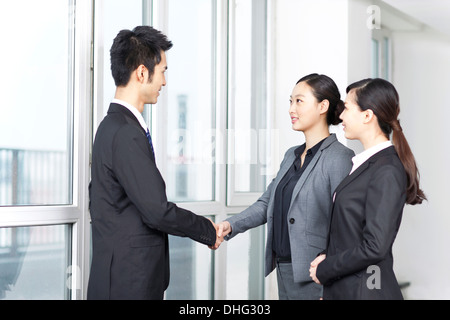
324	88
382	98
130	49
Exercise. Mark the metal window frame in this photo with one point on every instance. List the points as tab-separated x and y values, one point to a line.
383	38
235	198
76	213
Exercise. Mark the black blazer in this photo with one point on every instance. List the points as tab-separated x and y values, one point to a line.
130	214
365	220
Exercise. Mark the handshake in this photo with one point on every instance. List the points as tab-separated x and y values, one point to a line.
222	229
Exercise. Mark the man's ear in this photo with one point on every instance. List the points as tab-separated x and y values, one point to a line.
141	73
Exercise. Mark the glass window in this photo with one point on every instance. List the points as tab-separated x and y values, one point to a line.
386	58
190	270
381	53
245	265
111	17
44	142
375	58
190	113
37	103
34	263
247	95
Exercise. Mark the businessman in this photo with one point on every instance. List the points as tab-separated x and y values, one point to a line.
131	217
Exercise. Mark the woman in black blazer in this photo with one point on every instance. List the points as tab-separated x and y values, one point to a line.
368	204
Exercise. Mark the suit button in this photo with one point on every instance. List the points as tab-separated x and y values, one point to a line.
291	220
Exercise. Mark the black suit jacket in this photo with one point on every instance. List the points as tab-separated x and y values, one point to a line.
130	214
365	220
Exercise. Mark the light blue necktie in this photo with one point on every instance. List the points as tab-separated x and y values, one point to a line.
150	141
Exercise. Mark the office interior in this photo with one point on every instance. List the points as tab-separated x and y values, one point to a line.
220	127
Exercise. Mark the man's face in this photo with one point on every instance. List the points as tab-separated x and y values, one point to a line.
151	87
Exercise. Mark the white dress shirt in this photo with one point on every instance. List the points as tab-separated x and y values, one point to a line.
133	110
362	157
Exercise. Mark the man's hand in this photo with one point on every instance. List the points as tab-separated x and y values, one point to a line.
222	229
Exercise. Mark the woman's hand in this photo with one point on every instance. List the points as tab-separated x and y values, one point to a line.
313	268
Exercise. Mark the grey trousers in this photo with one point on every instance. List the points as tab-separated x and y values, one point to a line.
290	290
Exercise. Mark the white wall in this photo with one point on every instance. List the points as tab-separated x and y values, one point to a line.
323	36
305	43
359	50
421	75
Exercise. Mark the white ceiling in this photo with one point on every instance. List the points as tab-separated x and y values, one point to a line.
434	13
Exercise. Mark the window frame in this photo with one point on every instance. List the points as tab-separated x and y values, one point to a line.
216	208
159	116
384	53
235	198
75	213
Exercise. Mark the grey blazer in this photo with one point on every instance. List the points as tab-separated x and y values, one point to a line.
309	213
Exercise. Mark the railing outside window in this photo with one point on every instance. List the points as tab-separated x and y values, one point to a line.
34	177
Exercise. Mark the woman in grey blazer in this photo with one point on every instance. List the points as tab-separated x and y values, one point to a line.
296	205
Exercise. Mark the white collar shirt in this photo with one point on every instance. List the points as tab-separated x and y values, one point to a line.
134	111
362	157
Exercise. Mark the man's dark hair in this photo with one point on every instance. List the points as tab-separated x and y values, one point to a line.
130	49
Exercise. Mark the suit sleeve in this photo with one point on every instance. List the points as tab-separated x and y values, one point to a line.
252	217
136	171
383	210
256	214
